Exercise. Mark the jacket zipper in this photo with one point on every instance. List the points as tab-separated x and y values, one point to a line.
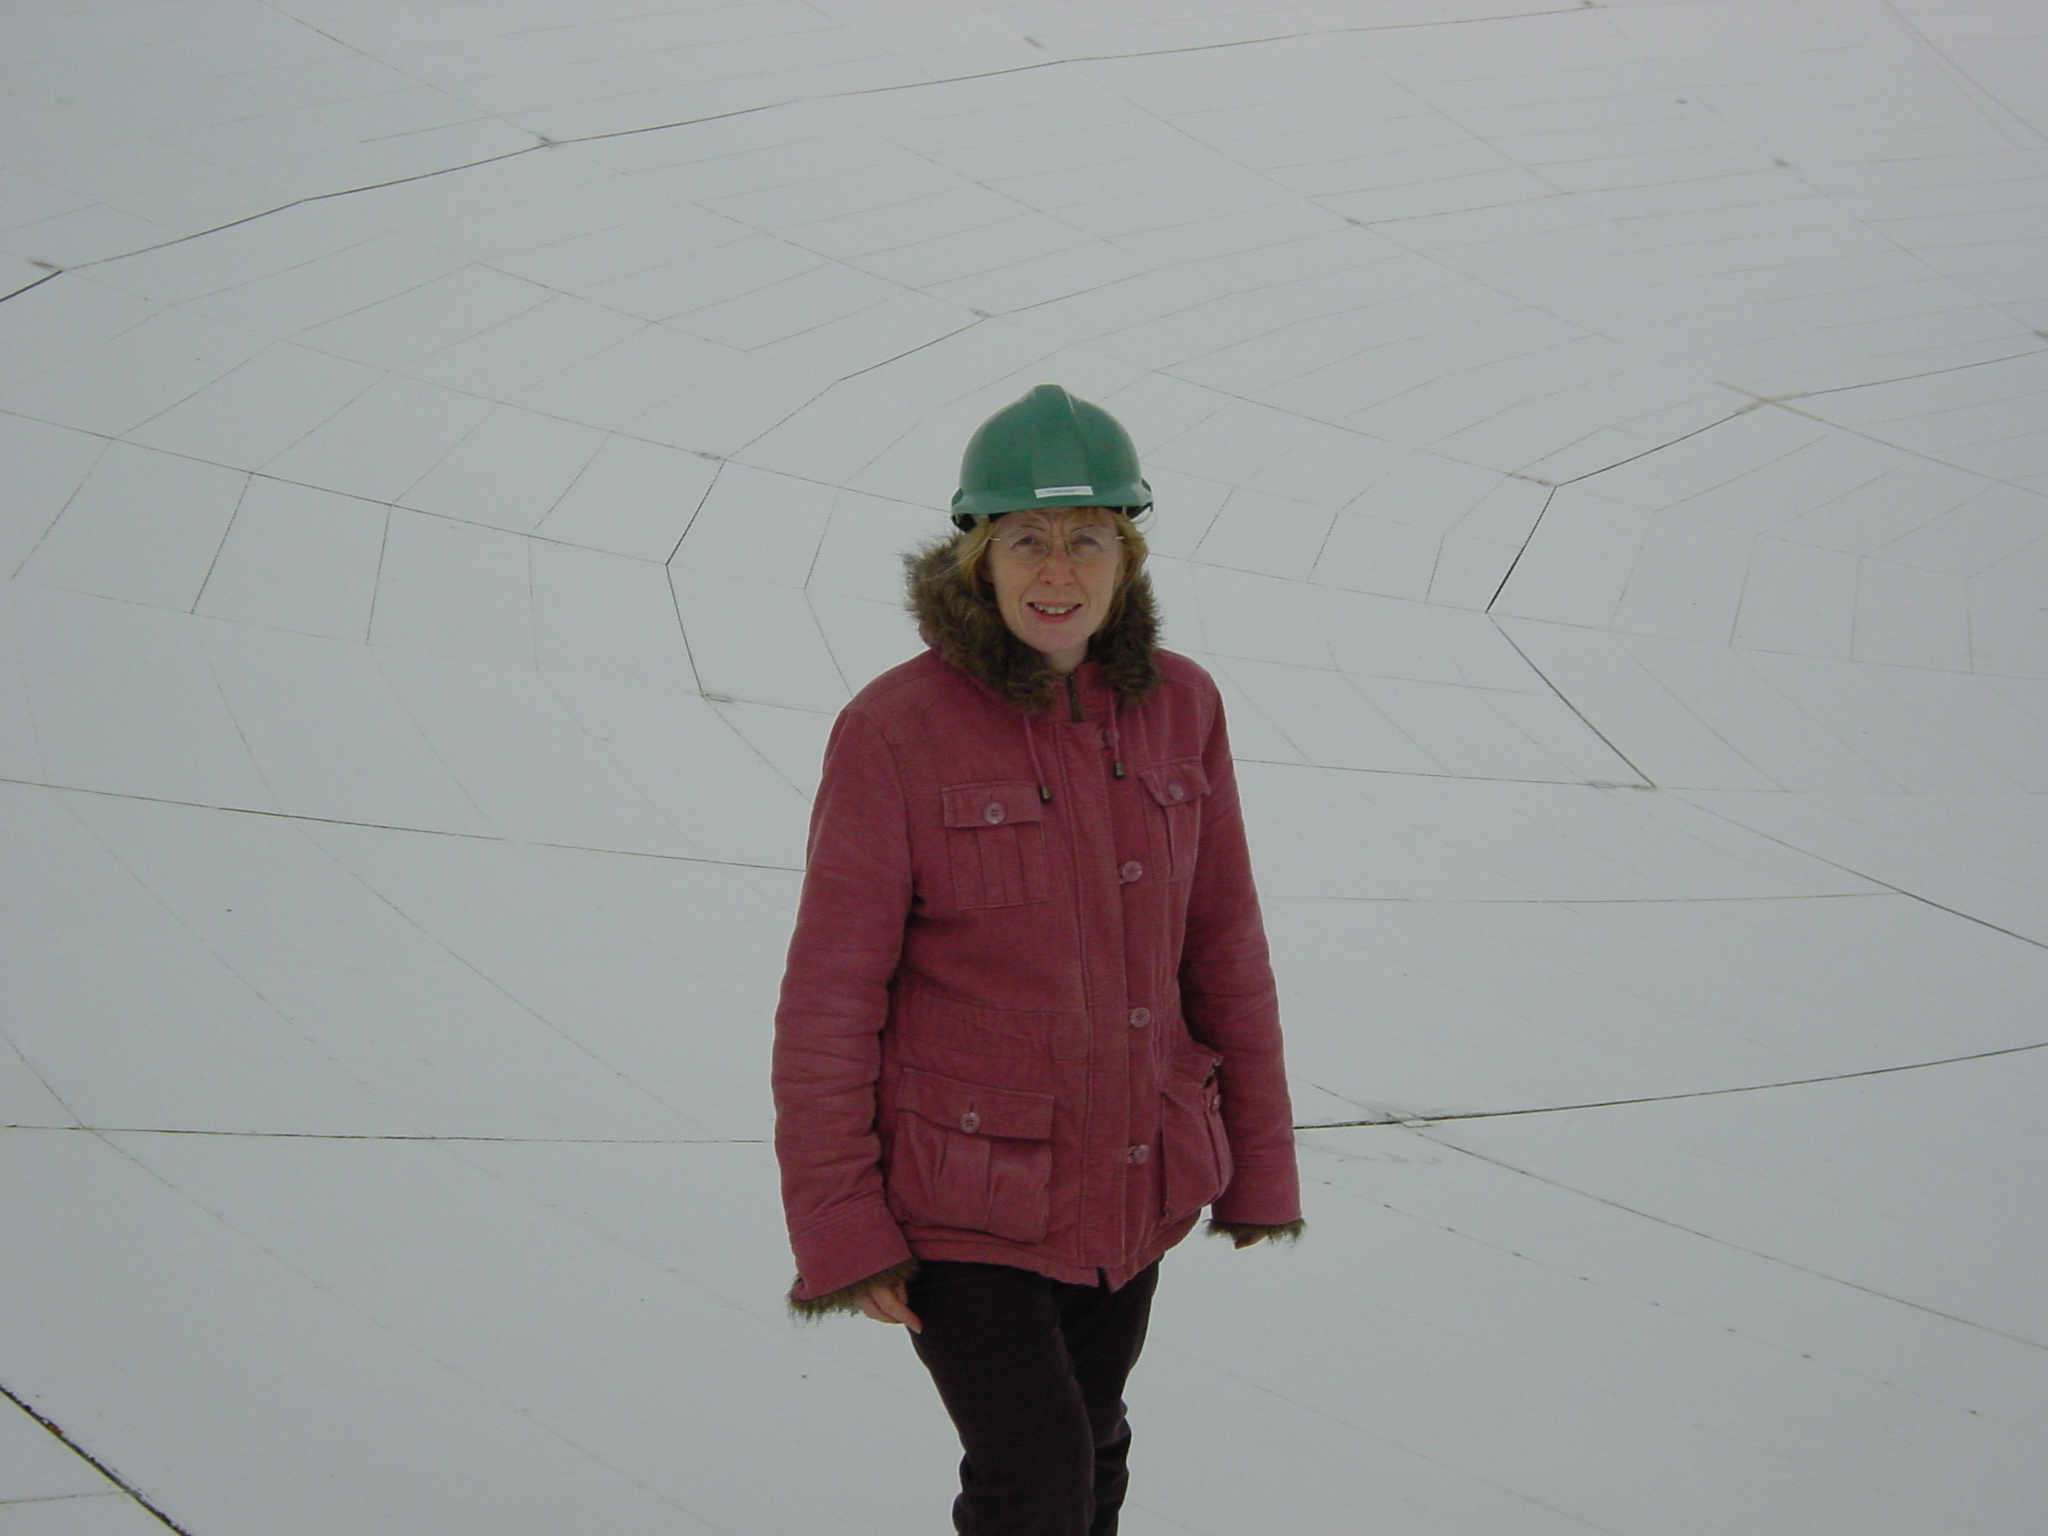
1074	714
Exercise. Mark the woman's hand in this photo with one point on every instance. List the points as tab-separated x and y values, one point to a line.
1243	1234
889	1302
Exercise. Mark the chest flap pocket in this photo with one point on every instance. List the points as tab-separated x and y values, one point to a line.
1176	790
995	843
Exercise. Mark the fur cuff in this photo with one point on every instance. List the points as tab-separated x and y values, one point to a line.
1285	1232
847	1297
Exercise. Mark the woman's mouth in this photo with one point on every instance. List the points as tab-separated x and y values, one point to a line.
1053	611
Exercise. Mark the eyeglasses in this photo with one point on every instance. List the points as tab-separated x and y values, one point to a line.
1084	546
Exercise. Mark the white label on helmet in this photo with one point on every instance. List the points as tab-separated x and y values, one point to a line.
1064	490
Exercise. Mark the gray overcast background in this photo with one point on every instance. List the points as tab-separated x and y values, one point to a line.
452	464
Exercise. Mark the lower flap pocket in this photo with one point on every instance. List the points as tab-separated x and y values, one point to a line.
1194	1145
972	1157
974	1110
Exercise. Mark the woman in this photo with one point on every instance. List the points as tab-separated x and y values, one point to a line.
1028	1029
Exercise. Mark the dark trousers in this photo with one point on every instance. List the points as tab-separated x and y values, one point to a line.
1032	1372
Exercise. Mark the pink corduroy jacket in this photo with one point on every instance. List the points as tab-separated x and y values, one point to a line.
1024	1030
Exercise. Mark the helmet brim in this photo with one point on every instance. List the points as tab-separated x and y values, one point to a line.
969	507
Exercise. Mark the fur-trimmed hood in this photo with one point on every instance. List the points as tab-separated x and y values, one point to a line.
968	632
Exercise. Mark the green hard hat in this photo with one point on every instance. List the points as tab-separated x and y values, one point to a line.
1048	450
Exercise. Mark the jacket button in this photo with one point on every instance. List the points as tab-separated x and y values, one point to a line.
970	1122
1137	1154
992	813
1140	1017
1132	871
1174	791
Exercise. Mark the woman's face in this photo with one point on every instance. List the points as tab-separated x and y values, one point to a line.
1056	605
